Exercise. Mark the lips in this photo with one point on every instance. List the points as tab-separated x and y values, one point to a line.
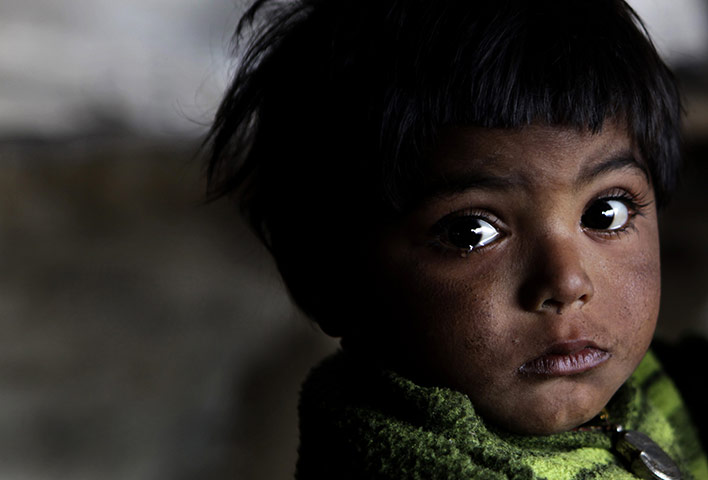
565	359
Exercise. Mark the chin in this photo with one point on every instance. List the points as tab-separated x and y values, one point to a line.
550	414
564	425
531	425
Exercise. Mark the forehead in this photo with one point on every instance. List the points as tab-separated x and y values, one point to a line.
559	146
536	154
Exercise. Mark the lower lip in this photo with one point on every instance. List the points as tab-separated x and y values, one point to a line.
561	365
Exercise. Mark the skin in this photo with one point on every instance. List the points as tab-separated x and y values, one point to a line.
472	320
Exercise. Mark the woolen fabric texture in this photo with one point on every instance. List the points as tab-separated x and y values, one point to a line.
361	422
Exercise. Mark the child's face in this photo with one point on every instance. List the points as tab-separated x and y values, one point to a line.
556	304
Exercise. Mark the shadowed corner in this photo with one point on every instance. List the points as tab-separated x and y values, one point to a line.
266	431
684	236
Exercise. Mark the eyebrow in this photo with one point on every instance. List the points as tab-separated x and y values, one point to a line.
448	185
618	161
459	182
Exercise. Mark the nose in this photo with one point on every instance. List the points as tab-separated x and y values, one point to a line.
556	280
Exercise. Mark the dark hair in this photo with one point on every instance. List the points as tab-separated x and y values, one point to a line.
337	104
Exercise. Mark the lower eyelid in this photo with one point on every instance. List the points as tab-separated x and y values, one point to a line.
629	227
461	253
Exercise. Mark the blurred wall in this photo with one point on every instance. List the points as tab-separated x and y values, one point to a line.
143	332
147	335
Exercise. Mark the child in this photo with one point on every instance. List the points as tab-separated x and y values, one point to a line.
466	193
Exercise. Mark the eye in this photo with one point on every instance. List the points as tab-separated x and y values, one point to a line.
606	214
466	232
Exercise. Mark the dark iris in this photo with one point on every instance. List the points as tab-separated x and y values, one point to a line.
464	232
599	216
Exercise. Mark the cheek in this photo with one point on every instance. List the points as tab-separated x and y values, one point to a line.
634	290
447	316
445	299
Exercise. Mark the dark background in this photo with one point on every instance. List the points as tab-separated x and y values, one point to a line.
146	335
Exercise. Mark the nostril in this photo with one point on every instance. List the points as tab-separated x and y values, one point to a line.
558	306
551	304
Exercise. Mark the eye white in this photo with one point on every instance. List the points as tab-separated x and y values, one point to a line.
620	214
486	232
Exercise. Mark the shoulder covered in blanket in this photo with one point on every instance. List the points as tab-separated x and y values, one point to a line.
361	422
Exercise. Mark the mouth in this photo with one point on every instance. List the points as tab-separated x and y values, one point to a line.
565	359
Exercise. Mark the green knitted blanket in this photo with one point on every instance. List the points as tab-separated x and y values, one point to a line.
358	422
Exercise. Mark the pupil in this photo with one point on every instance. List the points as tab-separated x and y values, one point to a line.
599	216
463	233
